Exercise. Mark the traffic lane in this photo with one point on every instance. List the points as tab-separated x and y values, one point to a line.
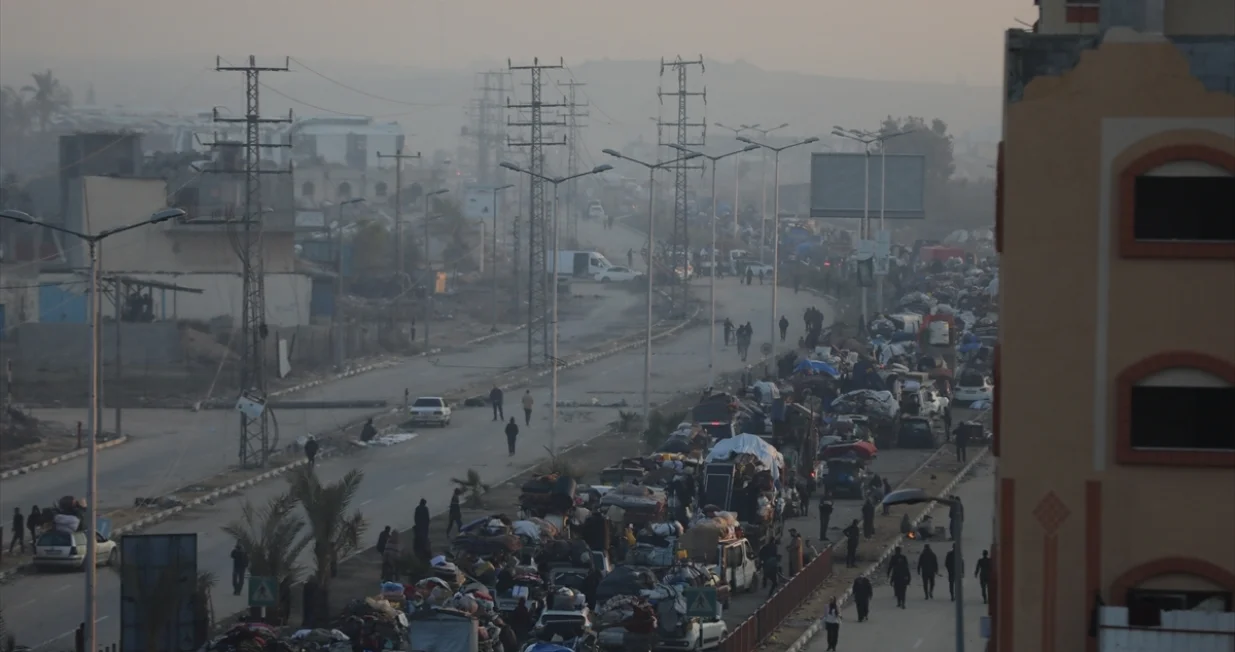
397	477
928	625
190	446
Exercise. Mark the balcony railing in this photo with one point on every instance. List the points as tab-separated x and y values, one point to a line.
1180	631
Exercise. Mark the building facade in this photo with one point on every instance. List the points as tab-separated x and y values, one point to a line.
1115	373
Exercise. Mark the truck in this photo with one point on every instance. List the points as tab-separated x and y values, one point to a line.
581	264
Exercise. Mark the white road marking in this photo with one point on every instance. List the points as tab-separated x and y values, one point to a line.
400	487
63	588
430	473
918	644
366	502
68	633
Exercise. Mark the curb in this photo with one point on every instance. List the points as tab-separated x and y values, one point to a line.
817	626
22	470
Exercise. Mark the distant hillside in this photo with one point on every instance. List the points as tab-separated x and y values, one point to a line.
623	95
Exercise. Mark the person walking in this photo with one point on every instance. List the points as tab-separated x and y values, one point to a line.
420	530
863	591
240	564
900	575
928	569
456	513
528	403
512	433
956	514
868	518
949	566
495	399
728	330
760	276
962	444
382	538
784	327
851	544
19	531
825	515
34	521
797	282
310	450
983	573
887	489
630	258
831	623
750	275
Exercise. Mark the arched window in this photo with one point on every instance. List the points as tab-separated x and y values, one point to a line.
1174	202
345	191
1175	584
1173	409
307	189
380	189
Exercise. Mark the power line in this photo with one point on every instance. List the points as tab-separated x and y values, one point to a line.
679	244
574	112
375	96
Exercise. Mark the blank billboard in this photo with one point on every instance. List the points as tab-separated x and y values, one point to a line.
158	580
837	180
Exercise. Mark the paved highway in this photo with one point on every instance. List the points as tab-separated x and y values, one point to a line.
927	625
44	607
175	447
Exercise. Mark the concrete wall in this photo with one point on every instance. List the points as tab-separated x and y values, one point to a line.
1074	314
19	295
65	348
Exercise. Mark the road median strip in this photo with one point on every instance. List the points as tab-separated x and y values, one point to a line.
64	457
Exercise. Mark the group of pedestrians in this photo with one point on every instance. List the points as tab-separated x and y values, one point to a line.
740	335
32	521
496	399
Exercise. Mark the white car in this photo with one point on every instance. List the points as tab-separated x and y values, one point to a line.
57	549
430	410
596	210
616	274
973	388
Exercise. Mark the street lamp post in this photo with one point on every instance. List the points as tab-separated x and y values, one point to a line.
763	185
96	367
647	345
914	496
493	255
868	138
737	170
431	281
712	285
336	323
776	229
553	360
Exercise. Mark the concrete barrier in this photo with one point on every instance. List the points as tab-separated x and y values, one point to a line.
61	458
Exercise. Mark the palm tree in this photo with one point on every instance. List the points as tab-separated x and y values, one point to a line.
334	532
473	489
47	97
203	603
273	536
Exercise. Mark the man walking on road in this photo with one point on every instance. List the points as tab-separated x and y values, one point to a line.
825	515
851	544
868	518
900	575
528	402
456	513
19	531
495	399
240	564
382	538
512	433
310	450
862	594
630	258
728	330
420	530
983	573
949	565
928	568
784	327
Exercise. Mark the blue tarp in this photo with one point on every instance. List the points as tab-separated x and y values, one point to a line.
818	367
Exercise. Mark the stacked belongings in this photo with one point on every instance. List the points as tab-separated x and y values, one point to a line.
245	637
374	623
631	469
560	553
69	514
321	640
527	585
492	633
487	538
639	504
616	613
548	494
702	538
447	571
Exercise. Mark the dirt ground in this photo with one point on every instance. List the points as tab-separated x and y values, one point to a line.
25	440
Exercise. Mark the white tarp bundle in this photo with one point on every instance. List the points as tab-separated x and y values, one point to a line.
751	445
868	402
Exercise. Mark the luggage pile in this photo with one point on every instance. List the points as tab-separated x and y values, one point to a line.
548	494
867	402
374	622
246	637
639	504
320	640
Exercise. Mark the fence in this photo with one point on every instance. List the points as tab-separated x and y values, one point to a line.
760	625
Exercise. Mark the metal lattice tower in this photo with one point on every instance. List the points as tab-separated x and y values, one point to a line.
679	243
537	221
255	444
574	112
488	114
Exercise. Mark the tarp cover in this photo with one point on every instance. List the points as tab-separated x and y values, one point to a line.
443	631
817	366
752	445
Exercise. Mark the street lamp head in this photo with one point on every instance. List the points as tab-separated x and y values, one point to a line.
439	192
509	185
744	139
680	148
166	214
750	147
612	152
354	200
601	168
810	140
782	125
18	216
754	126
510	166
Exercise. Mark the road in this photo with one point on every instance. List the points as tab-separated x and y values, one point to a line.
174	447
44	607
928	625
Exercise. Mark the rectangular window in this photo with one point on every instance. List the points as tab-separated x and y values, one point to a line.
1192	209
1162	600
1196	418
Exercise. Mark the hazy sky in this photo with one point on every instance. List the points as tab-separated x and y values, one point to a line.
946	40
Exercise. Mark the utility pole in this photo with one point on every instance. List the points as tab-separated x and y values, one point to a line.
537	273
488	111
255	442
574	112
399	157
679	243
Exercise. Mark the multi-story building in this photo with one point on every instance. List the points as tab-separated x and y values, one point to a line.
1115	407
